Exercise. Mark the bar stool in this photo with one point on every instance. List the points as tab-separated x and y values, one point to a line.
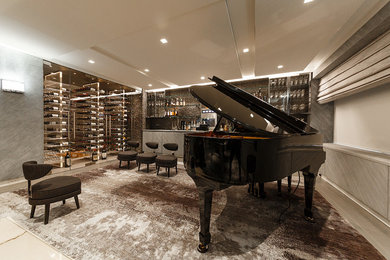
168	160
149	157
128	155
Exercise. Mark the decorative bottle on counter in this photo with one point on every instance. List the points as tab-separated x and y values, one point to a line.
67	160
94	156
104	154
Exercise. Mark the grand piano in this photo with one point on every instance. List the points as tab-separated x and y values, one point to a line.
266	145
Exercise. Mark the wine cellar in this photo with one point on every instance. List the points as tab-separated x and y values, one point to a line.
84	122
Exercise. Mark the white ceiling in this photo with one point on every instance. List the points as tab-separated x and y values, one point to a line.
205	37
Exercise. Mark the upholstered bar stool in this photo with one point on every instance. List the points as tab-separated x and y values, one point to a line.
147	158
168	160
49	190
128	155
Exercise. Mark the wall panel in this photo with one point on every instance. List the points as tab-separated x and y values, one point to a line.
21	115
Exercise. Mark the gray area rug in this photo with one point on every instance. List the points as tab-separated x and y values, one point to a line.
126	214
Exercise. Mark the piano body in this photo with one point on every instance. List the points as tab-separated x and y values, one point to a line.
216	160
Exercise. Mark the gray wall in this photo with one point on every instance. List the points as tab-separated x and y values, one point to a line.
322	116
21	115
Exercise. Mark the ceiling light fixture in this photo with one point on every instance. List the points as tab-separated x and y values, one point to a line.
149	85
91	61
307	1
146	70
280	67
163	40
202	78
245	50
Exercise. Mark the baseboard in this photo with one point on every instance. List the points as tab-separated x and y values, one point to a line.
356	201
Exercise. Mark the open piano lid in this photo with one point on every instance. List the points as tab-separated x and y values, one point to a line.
246	110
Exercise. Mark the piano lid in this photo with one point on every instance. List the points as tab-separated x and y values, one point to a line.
245	109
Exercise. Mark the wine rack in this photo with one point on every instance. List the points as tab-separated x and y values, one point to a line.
115	121
87	119
56	119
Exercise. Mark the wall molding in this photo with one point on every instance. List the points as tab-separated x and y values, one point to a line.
359	203
361	175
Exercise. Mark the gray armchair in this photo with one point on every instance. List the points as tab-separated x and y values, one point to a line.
49	190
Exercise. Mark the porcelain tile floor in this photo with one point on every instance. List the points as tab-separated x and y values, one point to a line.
17	243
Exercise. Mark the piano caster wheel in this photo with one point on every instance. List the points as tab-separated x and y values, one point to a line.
309	219
203	248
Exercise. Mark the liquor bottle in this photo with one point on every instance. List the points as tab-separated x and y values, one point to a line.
94	156
104	154
67	160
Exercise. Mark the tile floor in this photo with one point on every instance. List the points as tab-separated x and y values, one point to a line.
17	243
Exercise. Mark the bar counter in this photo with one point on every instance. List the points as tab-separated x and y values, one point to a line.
165	136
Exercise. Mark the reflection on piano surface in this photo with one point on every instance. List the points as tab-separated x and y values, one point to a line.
252	153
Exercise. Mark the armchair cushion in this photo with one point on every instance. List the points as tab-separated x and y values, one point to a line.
54	187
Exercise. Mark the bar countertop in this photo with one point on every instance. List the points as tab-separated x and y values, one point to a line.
162	136
173	131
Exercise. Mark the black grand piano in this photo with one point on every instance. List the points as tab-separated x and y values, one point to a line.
266	145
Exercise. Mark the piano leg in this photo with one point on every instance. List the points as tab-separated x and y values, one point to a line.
279	187
262	193
205	201
310	180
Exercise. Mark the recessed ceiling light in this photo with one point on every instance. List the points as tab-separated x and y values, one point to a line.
74	73
163	40
146	70
245	50
280	67
307	1
91	61
251	115
202	78
149	85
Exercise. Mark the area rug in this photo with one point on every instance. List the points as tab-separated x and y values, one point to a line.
130	214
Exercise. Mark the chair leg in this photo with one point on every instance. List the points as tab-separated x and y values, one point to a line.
120	162
139	165
147	167
76	199
47	211
63	202
289	183
32	211
279	187
128	164
158	169
176	168
168	172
